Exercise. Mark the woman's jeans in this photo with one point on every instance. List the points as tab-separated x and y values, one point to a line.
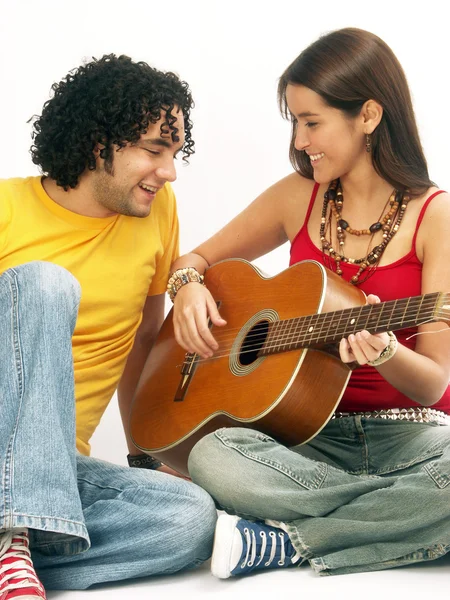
90	521
365	494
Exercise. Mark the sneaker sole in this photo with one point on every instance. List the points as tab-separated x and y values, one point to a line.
27	597
223	546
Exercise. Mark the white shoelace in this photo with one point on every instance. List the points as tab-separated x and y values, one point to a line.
250	539
14	544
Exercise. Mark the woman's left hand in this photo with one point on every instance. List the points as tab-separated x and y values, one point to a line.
363	346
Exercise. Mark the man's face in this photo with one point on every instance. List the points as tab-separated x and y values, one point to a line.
138	171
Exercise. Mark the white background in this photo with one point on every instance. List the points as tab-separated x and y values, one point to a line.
232	54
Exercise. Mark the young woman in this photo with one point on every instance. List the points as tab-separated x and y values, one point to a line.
372	490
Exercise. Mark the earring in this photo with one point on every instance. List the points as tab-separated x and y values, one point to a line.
368	143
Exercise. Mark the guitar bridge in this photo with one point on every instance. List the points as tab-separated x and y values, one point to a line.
188	369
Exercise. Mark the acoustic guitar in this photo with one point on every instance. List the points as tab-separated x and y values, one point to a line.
277	368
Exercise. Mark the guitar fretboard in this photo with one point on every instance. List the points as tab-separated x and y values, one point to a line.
331	327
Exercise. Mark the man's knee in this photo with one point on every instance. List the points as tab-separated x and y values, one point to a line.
188	517
204	514
47	278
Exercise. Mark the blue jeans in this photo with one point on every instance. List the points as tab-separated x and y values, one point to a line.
89	521
364	495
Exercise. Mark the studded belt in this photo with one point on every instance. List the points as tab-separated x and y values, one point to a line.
415	415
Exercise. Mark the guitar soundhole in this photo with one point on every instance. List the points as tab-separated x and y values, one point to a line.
253	343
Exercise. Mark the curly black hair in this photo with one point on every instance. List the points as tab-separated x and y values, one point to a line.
108	101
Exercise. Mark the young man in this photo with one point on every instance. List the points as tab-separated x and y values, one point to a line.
85	253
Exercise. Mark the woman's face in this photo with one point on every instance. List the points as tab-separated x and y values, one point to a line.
334	143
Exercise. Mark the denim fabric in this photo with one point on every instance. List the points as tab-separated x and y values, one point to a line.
90	521
140	523
365	494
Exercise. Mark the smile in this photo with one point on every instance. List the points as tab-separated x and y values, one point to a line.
316	157
148	188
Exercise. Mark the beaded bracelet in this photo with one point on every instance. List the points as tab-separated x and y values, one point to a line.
181	277
387	353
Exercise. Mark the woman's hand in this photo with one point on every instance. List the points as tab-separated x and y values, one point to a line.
192	307
363	346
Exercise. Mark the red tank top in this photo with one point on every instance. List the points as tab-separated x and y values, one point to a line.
367	390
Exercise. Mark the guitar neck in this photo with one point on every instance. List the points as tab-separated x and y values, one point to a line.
329	328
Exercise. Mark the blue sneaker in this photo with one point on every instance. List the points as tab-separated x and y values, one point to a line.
241	547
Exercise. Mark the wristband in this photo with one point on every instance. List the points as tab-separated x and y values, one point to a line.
144	461
181	277
387	353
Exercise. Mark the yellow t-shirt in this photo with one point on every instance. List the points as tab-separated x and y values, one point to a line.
118	261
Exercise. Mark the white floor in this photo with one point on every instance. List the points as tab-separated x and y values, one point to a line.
411	583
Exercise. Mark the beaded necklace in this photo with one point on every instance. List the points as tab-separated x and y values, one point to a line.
389	224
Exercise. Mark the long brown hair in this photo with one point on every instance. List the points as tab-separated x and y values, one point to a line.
346	68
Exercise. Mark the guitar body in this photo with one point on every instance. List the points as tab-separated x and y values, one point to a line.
289	395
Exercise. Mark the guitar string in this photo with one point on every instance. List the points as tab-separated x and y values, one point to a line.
320	332
319	336
427	332
300	325
195	360
192	356
283	341
365	313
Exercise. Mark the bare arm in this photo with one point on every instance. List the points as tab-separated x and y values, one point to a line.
422	374
152	319
260	228
254	232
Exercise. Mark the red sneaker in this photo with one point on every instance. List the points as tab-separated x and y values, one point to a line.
18	579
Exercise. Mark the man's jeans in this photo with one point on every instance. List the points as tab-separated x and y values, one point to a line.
365	494
90	521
